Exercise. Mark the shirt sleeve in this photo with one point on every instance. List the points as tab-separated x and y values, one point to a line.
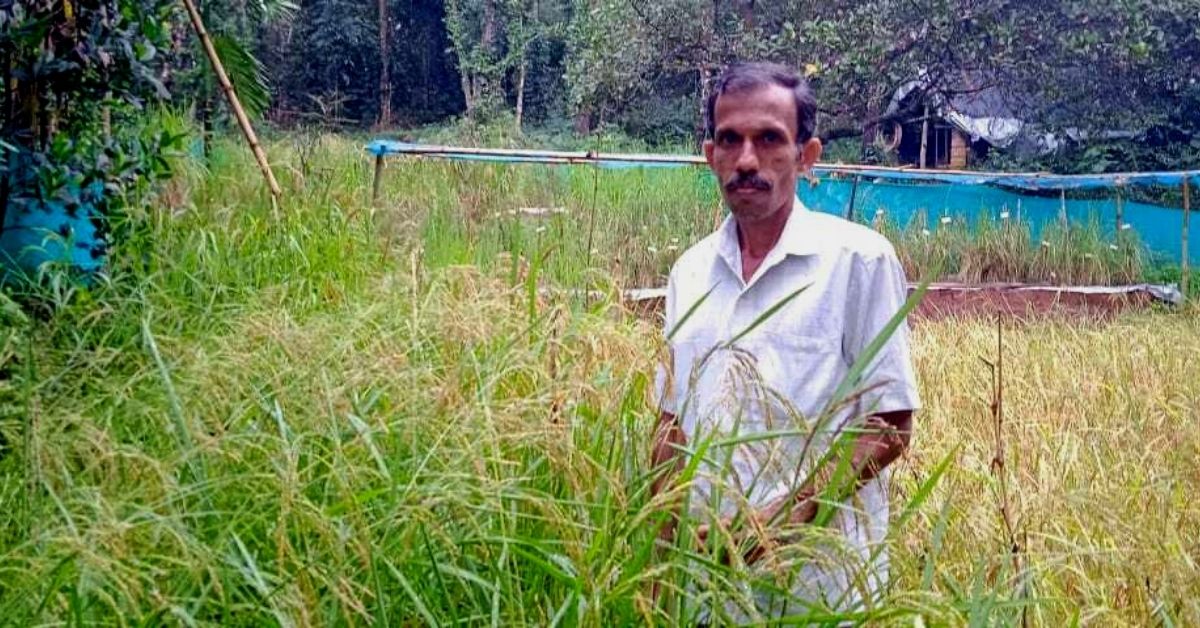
663	380
877	291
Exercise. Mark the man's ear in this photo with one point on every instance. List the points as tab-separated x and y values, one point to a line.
810	152
708	152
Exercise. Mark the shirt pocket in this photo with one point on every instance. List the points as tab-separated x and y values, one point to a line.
805	370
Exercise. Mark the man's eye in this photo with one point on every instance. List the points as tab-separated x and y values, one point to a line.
727	139
771	137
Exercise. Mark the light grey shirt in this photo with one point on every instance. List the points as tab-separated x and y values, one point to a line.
781	375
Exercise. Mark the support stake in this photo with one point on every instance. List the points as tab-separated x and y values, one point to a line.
1187	207
853	196
377	184
1120	211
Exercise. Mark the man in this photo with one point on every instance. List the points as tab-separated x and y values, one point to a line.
766	317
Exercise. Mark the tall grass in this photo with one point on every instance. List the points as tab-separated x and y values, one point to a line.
306	417
600	227
1005	250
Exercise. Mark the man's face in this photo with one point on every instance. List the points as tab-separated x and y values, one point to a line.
753	151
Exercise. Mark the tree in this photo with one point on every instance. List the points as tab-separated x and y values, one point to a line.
77	76
648	66
385	77
334	57
474	31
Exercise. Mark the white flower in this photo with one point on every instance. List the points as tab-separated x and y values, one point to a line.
1088	256
1113	247
653	250
541	229
673	248
1045	244
879	212
925	232
674	240
1003	215
1126	226
946	220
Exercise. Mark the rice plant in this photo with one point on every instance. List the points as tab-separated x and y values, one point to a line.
337	413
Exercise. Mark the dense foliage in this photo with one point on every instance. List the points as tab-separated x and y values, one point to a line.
77	77
1114	80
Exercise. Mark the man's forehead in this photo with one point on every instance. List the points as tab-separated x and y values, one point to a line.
765	105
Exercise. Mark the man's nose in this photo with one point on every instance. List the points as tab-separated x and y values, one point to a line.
747	161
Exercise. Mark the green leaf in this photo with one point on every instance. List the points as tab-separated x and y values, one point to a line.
246	73
422	610
273	10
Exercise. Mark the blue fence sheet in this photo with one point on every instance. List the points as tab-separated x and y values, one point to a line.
1158	227
50	233
902	194
1024	181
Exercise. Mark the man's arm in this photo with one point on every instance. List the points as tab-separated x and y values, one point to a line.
668	436
877	290
885	437
665	457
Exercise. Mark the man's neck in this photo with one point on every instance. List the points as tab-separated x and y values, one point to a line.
756	238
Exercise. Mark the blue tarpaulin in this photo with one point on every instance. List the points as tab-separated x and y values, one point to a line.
35	234
901	193
1033	181
1158	227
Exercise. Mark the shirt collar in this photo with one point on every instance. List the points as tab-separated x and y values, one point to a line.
796	239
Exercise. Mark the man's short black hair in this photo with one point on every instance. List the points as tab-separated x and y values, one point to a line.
746	76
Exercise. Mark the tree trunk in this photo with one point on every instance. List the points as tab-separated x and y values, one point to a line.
385	70
488	84
705	70
521	91
706	81
106	117
9	109
488	39
583	122
468	95
924	137
871	127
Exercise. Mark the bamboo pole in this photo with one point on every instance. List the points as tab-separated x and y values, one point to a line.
231	96
1187	206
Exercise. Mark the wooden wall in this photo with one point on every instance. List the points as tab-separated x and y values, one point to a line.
959	149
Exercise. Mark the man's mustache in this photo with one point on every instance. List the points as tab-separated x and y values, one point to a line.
752	181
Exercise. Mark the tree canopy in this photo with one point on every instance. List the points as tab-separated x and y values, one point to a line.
1116	78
